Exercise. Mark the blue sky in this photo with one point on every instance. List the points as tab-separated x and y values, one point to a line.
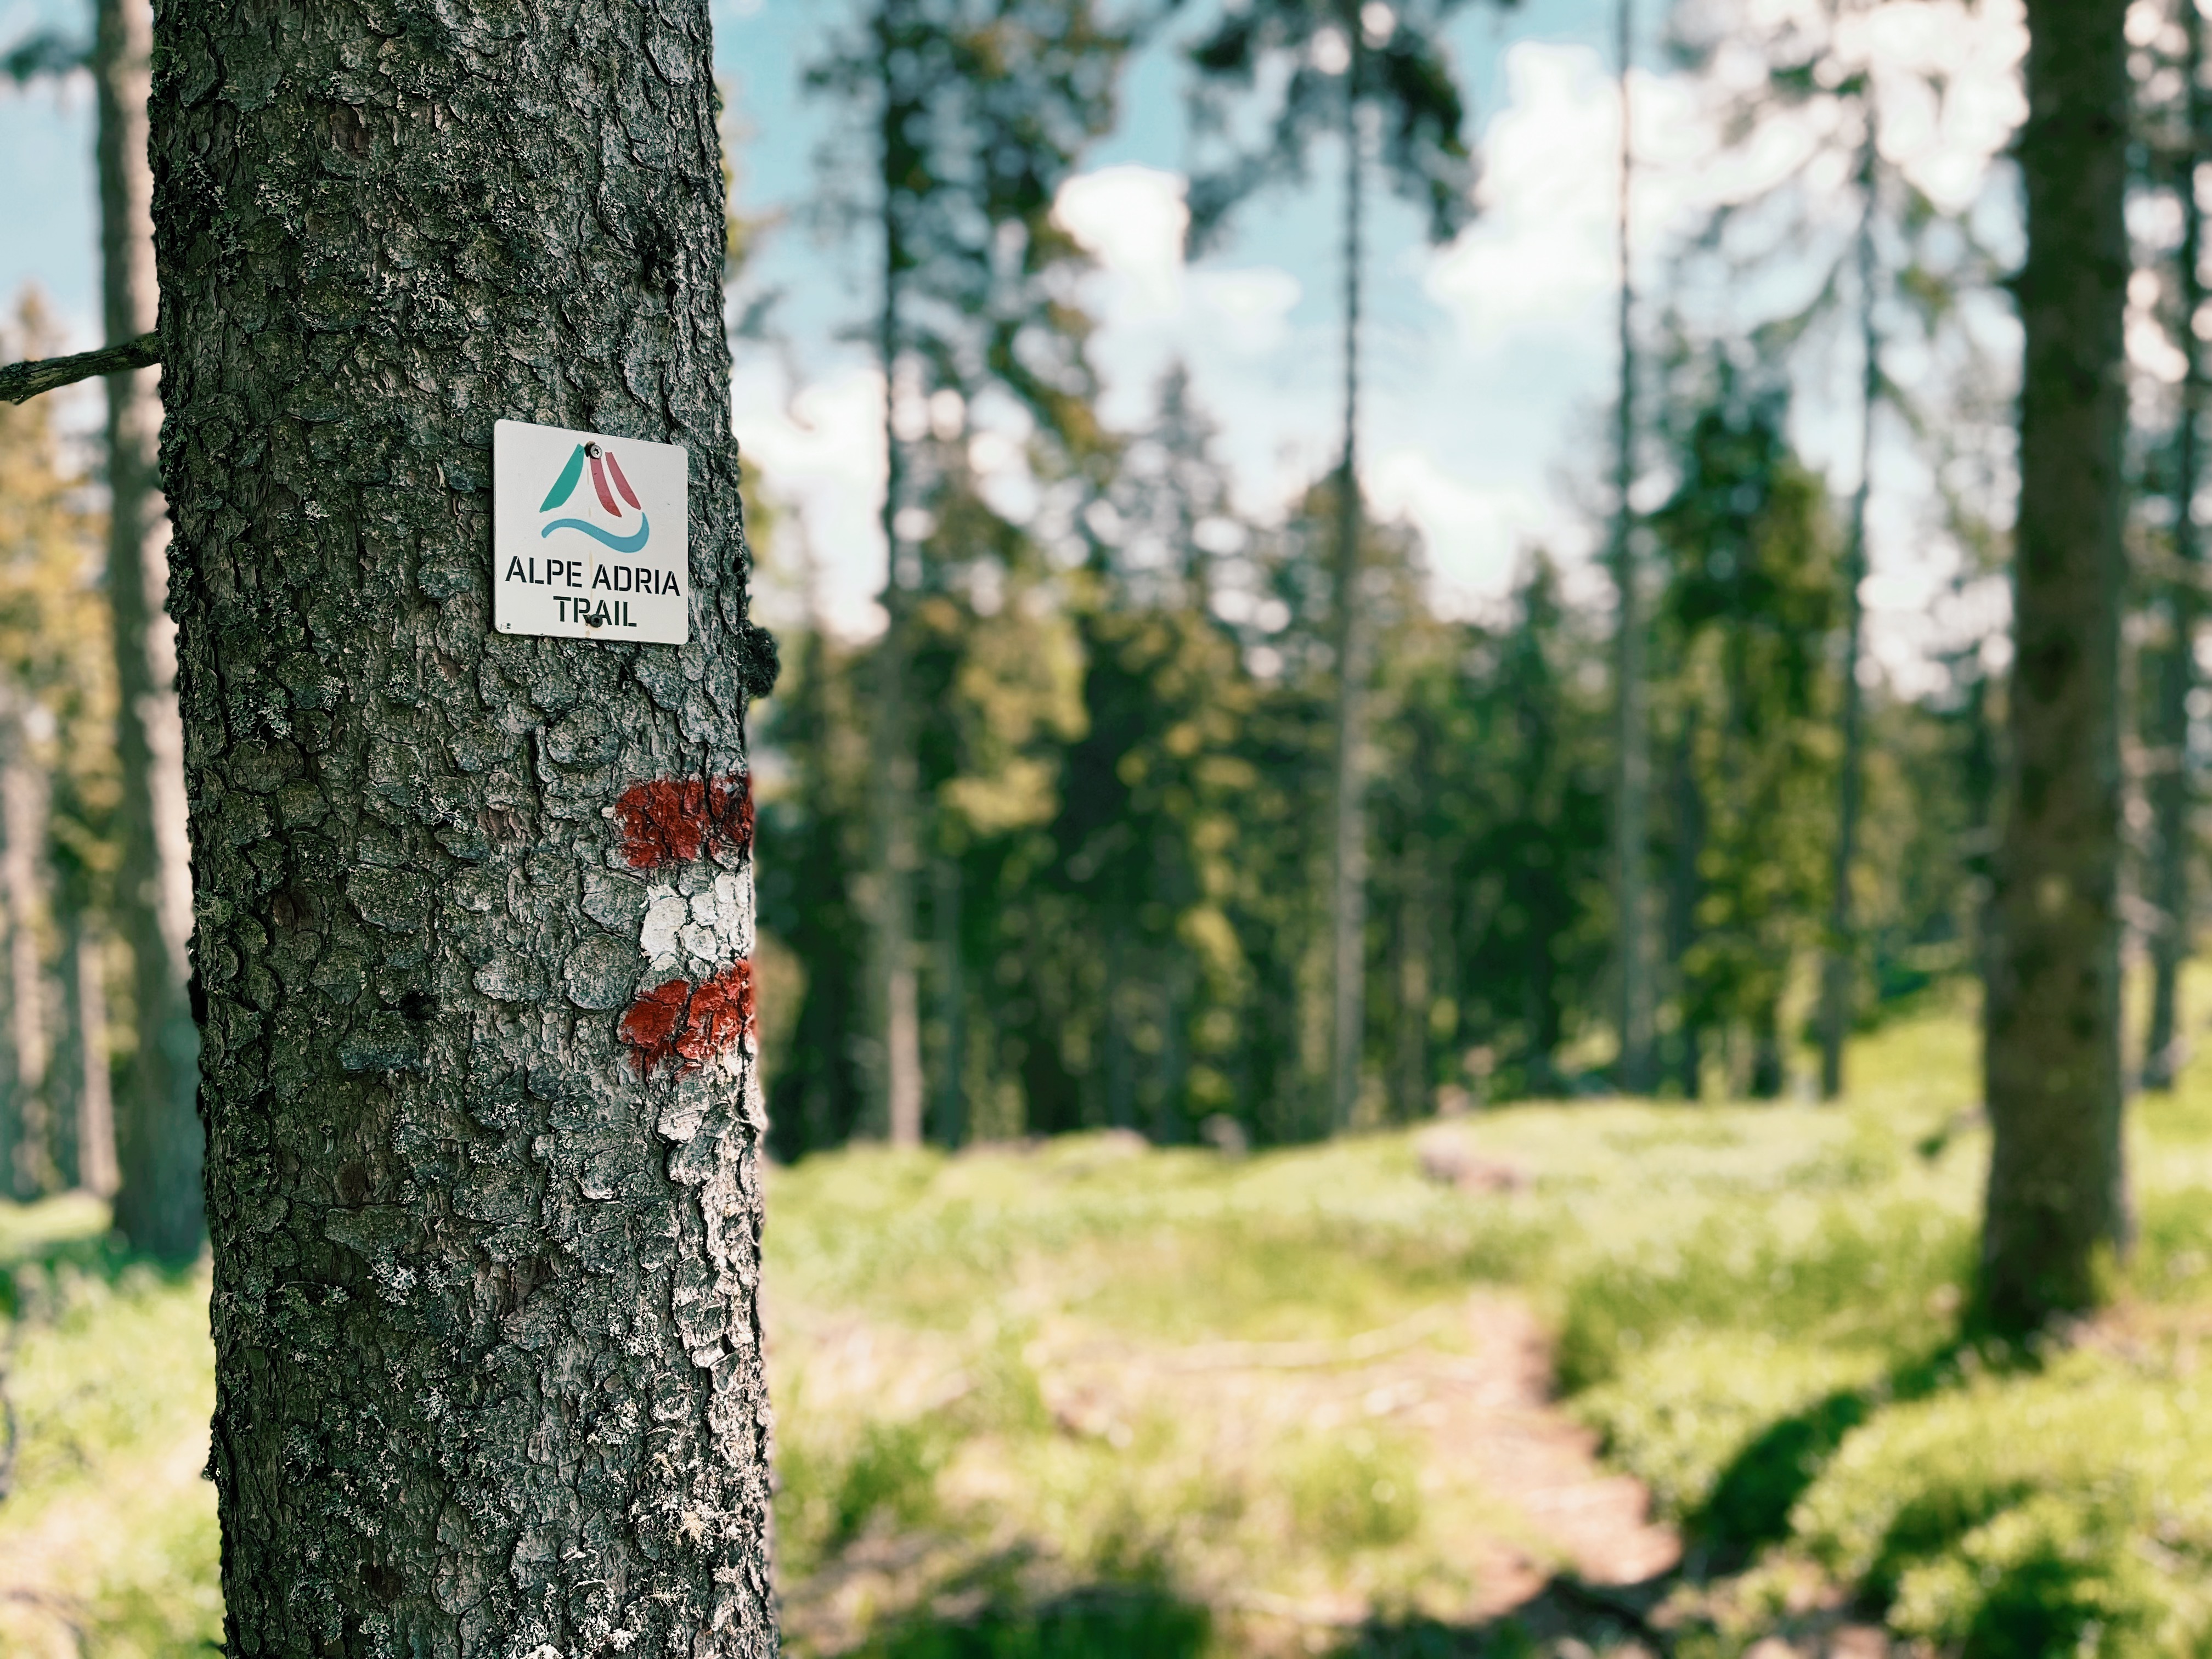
1491	361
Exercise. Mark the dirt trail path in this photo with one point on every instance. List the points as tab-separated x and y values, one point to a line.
1472	1382
1512	1486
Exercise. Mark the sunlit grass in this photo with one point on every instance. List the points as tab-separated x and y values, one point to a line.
107	1538
1085	1398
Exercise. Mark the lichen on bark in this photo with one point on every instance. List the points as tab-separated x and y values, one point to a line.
488	1360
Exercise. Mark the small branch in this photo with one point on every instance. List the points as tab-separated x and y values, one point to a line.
21	382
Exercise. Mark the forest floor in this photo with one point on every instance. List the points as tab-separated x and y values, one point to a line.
1601	1377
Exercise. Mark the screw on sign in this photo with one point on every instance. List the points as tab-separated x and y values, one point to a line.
690	832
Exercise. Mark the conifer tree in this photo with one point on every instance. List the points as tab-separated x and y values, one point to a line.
1342	64
2178	143
980	109
2056	1203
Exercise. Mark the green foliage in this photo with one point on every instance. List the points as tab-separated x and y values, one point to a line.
1086	1394
1316	61
112	1380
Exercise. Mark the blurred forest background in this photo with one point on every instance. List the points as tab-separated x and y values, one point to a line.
1145	809
1147	812
1097	831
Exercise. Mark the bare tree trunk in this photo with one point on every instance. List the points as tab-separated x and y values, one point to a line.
952	999
1348	906
1632	742
2057	1192
158	1207
1839	962
895	993
84	980
1412	949
2166	1048
30	1172
484	1185
1684	888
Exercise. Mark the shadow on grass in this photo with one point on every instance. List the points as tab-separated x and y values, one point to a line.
1134	1621
1603	1619
1751	1502
1103	1621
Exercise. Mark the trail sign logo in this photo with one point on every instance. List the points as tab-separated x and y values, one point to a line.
588	536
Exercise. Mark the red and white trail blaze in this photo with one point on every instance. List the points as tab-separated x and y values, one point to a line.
698	920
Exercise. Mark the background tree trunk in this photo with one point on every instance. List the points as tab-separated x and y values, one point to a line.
30	1171
487	1352
1840	962
84	981
1632	761
2165	1047
895	989
158	1207
1348	836
2056	1198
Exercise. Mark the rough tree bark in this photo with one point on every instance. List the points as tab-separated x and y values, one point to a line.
2057	1192
2166	1046
483	1188
158	1204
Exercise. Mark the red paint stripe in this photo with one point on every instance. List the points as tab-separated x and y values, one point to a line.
676	820
599	484
621	484
682	1027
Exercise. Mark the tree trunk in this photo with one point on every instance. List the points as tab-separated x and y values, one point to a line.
1840	962
1685	888
1632	763
952	999
1410	1091
158	1207
895	994
2166	1048
483	1190
84	980
1348	840
2057	1191
30	1171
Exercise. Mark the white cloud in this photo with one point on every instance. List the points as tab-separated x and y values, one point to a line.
1476	534
1252	307
822	456
1132	220
1542	253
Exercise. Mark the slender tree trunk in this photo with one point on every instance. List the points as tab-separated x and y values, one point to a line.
1684	888
2057	1191
1768	1072
1839	962
896	993
158	1207
1348	908
1411	1016
30	1172
1116	1052
2166	1048
85	980
952	999
1632	762
483	1188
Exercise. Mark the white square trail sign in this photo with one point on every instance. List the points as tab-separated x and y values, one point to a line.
588	536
